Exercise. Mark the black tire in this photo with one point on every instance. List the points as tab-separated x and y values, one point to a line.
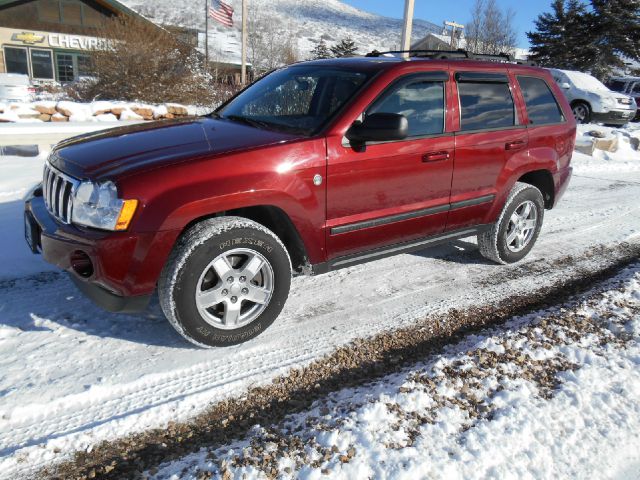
190	262
494	243
581	112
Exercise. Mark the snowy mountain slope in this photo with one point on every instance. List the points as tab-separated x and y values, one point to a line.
306	20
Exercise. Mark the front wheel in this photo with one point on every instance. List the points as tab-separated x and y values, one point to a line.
225	282
512	237
581	112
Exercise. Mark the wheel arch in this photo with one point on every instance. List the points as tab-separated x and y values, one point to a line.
276	220
543	181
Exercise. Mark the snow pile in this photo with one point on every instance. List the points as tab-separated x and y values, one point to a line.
555	395
613	148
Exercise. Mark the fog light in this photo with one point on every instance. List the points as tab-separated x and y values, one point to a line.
81	264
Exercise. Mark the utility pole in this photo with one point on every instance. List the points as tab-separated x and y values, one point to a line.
243	72
454	26
206	35
406	30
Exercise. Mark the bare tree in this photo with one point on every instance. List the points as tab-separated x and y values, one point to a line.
141	62
271	43
491	29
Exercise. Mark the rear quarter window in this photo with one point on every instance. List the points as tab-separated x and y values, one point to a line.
485	106
542	107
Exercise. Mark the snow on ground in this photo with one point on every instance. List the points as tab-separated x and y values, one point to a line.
551	395
72	374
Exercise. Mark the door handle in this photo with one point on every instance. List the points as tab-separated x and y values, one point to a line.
435	156
515	145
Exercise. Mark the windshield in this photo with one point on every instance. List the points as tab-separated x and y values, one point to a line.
586	82
299	99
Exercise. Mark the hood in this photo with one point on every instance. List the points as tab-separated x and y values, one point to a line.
133	148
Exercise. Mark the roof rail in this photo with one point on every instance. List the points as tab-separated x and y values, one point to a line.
459	54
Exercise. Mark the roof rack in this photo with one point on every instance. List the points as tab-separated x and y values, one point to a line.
459	54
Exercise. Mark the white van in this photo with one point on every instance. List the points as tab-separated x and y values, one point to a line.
592	101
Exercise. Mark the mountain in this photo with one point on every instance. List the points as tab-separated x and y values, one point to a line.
306	20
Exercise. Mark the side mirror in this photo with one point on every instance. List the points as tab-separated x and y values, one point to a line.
379	127
565	85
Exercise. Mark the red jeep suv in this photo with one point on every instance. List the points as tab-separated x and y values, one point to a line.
316	166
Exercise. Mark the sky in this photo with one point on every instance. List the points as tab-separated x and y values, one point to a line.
437	11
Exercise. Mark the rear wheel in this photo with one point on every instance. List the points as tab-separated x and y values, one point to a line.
226	281
512	237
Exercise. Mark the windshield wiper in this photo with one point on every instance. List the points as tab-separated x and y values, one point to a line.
249	121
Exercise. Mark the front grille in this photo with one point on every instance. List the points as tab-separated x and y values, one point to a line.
58	190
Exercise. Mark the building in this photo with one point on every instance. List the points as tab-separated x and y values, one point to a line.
434	41
50	40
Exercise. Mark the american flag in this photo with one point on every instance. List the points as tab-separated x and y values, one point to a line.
221	12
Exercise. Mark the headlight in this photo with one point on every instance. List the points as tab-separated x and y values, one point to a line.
97	205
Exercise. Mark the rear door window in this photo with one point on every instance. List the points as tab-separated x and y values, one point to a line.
542	106
486	105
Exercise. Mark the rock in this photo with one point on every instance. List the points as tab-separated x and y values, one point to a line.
45	117
635	142
607	144
63	109
27	113
59	117
45	109
596	134
177	109
585	145
144	112
127	114
117	111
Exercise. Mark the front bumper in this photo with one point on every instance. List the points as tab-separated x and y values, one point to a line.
124	266
614	117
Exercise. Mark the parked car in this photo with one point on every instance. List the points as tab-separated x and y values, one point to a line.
315	167
15	87
592	101
626	85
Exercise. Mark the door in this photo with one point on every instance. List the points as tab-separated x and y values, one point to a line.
491	133
389	192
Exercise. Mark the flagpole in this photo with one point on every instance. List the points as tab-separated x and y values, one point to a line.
206	35
243	72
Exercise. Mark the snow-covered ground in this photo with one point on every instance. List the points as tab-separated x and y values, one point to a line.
72	375
550	395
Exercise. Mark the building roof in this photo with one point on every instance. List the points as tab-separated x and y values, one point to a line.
113	5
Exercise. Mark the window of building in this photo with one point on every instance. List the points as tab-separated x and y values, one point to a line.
49	11
84	65
16	60
421	101
72	66
41	64
542	107
485	105
71	12
91	17
64	62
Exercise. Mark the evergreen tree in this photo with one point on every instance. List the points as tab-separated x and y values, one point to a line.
320	51
346	48
561	38
615	28
593	40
